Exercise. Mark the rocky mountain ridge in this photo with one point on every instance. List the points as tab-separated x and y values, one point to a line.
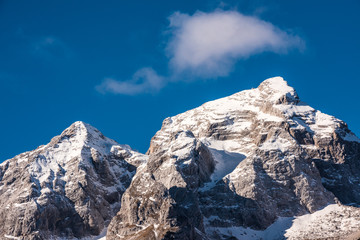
259	164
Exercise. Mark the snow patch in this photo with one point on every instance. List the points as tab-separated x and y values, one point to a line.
226	162
276	144
11	237
274	232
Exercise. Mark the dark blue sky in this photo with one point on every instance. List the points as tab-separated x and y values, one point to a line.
53	54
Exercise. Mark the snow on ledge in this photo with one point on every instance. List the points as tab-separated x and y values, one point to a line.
11	237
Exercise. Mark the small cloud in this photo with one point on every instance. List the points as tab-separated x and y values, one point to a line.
208	44
145	80
46	47
50	47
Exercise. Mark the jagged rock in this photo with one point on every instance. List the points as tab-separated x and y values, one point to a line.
248	160
162	200
68	188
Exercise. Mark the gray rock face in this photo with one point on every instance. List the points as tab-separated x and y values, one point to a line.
68	188
242	161
163	195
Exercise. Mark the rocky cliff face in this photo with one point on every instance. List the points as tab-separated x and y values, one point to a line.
68	188
245	161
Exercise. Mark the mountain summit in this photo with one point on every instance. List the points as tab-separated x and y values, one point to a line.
259	164
240	165
278	91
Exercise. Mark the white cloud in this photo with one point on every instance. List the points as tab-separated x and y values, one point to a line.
144	80
208	44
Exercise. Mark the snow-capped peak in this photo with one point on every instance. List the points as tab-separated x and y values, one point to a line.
79	173
82	126
80	135
278	91
277	84
82	130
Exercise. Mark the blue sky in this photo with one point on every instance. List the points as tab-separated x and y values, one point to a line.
124	66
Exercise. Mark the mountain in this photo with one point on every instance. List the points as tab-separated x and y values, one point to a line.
259	164
69	188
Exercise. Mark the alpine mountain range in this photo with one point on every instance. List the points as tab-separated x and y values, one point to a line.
259	164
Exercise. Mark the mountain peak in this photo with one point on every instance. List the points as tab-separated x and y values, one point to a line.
79	175
81	134
277	83
278	91
81	129
81	126
79	123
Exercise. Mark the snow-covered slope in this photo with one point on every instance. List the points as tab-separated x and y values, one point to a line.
244	161
335	221
68	188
